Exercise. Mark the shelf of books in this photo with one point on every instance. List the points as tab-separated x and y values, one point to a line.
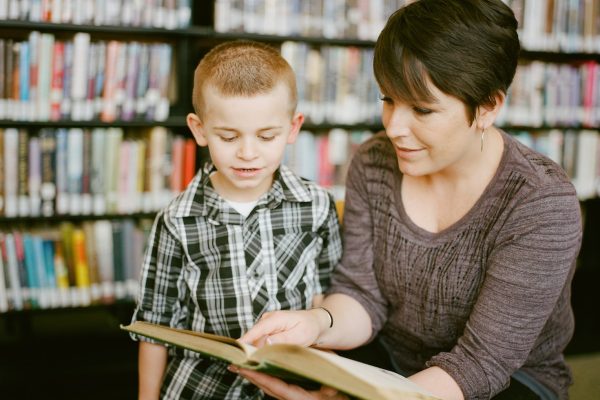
91	144
93	98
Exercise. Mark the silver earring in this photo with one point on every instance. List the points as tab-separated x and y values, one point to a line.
482	134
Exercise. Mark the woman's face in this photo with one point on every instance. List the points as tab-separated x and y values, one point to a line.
430	138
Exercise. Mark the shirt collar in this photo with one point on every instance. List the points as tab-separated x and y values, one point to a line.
200	198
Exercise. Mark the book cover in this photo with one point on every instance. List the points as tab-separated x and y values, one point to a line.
292	363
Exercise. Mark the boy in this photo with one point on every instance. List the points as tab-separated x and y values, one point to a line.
246	236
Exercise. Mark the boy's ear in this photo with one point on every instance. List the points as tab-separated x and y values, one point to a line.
297	122
486	115
197	128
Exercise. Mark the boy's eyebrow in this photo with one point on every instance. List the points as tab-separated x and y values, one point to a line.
267	128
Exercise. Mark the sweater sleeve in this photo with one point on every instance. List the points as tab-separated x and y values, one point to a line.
354	275
527	270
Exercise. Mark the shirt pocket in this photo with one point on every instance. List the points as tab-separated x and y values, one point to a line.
296	255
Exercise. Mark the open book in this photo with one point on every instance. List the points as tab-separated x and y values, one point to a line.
291	362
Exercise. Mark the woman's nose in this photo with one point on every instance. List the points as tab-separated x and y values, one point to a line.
397	121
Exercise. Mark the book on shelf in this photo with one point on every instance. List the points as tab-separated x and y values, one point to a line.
290	362
3	280
169	14
47	78
71	265
82	171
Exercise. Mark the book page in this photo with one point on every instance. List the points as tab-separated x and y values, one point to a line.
380	377
349	376
221	347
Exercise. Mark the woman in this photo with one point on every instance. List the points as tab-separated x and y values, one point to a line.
459	242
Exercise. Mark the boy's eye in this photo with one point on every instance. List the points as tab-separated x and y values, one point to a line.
267	138
422	110
227	138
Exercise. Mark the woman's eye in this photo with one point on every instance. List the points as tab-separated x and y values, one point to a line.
385	99
422	111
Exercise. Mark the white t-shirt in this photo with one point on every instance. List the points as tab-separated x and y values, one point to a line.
244	207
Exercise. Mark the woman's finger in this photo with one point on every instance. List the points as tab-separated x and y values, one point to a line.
276	387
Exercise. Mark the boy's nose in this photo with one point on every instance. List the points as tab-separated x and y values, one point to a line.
247	150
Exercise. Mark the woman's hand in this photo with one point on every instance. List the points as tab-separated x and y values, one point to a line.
283	391
297	327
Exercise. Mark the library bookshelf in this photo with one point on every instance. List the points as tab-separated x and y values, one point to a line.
72	201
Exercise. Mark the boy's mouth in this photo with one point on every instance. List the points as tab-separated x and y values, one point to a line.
246	169
246	172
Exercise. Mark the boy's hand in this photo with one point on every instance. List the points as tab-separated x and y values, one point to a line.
283	391
297	327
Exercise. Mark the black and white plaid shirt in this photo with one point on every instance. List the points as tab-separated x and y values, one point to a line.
208	268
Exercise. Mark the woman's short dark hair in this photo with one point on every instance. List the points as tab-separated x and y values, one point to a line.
468	49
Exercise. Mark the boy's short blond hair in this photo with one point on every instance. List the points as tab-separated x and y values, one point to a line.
242	68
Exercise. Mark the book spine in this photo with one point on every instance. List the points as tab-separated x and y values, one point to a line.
11	164
66	104
48	184
23	195
86	162
75	170
2	172
4	283
104	250
82	273
109	111
35	176
10	255
189	161
98	171
3	78
45	77
177	164
44	292
48	257
81	52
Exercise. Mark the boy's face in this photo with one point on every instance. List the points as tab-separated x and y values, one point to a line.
246	138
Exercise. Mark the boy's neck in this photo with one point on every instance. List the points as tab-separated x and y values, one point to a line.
226	190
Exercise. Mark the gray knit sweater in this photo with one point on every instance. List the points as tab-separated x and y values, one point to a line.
484	297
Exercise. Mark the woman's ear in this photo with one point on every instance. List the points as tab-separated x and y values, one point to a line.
197	127
487	114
